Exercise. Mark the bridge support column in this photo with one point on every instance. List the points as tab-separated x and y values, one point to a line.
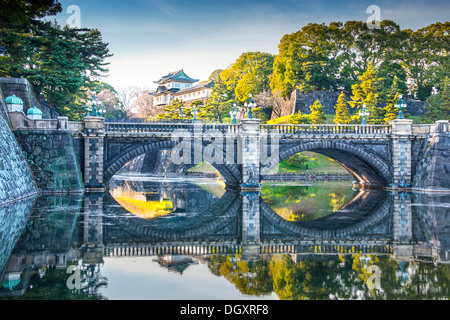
249	156
251	225
93	154
93	229
402	225
401	153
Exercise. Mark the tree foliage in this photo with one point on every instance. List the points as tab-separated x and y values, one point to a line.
60	62
342	115
333	57
317	115
437	106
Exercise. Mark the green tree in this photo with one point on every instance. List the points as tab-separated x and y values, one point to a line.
437	106
317	115
297	160
342	115
220	100
173	110
61	63
300	118
366	92
248	74
23	11
390	112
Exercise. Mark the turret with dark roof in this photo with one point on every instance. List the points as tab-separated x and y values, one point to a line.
178	76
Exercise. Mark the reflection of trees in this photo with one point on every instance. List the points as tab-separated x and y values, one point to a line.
249	277
50	283
336	277
304	203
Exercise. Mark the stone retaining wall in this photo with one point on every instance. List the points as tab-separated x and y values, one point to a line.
51	156
302	101
432	170
23	89
16	178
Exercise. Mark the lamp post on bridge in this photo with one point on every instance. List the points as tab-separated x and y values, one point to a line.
235	112
95	106
400	104
364	113
182	115
250	103
194	112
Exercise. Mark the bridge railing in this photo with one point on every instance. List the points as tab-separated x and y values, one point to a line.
124	127
326	129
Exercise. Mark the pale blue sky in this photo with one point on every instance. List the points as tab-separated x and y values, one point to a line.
150	38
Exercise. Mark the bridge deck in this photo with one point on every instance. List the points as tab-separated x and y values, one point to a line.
122	127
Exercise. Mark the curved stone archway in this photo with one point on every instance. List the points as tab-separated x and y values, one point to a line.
363	164
335	225
230	172
222	213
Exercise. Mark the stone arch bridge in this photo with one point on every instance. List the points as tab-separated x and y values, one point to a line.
375	155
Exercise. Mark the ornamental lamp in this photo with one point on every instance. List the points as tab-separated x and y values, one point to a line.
182	114
250	104
234	113
95	107
194	112
364	113
400	104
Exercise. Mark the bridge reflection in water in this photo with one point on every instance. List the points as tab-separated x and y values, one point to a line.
182	222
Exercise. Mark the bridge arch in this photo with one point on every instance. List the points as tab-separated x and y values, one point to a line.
230	172
363	164
366	212
223	214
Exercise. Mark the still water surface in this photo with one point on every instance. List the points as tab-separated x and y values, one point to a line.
179	238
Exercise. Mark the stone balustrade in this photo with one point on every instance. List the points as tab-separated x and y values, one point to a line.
19	121
326	129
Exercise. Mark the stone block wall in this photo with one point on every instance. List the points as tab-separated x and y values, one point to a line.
24	90
13	219
16	178
432	170
302	101
51	156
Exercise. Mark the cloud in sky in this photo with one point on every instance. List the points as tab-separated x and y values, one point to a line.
149	38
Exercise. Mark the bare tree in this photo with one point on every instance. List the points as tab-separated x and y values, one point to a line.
128	96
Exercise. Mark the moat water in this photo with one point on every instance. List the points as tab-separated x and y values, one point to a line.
182	238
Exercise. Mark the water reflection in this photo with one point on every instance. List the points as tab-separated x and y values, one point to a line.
214	237
305	202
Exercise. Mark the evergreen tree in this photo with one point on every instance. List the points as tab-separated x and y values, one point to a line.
342	115
317	115
220	100
445	99
390	112
367	92
173	110
299	118
437	106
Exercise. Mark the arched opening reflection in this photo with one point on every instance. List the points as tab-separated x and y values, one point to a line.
307	186
151	197
296	201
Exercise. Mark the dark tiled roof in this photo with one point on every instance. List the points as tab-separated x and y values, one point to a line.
176	75
208	84
163	89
